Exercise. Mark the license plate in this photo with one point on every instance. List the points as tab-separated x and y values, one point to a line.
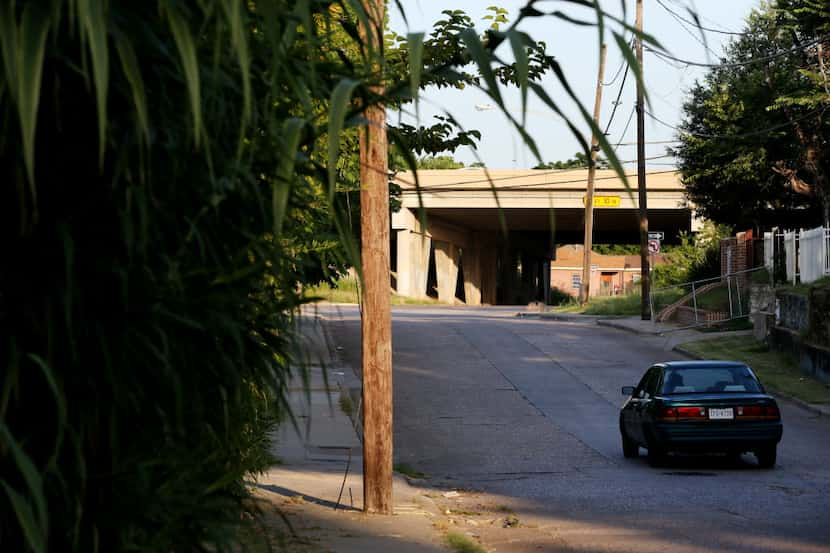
721	414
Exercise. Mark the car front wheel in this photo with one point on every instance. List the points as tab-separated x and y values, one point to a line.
766	456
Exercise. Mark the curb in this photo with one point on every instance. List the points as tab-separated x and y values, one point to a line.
611	323
820	410
564	316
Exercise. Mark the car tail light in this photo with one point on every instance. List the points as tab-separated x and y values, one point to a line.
668	414
691	413
761	412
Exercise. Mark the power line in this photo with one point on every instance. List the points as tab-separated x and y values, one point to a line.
697	24
446	188
734	136
554	171
680	20
627	124
616	102
736	64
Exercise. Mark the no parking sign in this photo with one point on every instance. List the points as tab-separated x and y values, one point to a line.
653	246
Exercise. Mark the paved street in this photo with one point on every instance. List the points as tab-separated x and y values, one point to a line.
521	415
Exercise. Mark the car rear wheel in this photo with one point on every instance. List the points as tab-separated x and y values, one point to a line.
630	448
766	456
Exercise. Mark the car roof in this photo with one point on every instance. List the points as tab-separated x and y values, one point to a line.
681	365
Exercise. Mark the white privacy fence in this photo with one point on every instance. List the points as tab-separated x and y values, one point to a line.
802	255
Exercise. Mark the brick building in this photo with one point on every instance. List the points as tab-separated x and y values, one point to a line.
610	274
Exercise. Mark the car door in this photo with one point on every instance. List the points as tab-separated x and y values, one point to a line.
631	413
646	391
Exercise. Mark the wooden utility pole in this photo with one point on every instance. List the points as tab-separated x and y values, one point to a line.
645	276
376	318
585	287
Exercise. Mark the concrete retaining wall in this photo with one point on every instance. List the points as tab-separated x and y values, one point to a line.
792	311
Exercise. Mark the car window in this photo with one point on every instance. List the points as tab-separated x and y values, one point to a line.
710	380
653	381
648	385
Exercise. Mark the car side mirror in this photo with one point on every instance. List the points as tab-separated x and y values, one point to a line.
628	390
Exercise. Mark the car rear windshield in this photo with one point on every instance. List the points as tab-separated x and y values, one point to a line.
709	380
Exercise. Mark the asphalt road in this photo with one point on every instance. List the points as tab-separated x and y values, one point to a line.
522	414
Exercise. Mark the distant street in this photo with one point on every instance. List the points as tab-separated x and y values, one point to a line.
522	414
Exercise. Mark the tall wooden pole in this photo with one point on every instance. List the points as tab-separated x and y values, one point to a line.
645	276
376	318
585	288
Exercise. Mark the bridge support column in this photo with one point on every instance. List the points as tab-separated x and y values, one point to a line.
446	269
488	267
412	263
471	261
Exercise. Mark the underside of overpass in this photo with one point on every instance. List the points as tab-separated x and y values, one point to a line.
461	244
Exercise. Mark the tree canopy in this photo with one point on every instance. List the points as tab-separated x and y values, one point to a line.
755	141
579	161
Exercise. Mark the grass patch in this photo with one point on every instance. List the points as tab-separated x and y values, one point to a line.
347	290
346	405
462	544
716	299
776	369
407	470
605	305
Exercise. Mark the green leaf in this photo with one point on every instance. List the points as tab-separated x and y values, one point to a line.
91	14
292	131
340	98
129	64
187	52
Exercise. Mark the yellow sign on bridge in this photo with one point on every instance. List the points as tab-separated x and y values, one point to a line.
605	201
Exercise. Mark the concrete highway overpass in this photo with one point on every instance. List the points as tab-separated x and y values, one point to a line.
488	236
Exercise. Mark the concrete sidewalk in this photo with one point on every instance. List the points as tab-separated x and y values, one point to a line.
314	498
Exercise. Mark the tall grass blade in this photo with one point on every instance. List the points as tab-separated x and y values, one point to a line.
91	14
518	42
482	60
340	99
292	132
129	64
28	66
31	476
416	63
190	65
34	535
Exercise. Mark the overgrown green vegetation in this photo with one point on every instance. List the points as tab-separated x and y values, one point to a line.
628	304
777	370
605	305
346	289
408	470
462	544
696	258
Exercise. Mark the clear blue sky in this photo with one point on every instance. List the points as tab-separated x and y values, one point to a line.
577	50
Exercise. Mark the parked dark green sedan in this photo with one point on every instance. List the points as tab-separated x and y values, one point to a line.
700	407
